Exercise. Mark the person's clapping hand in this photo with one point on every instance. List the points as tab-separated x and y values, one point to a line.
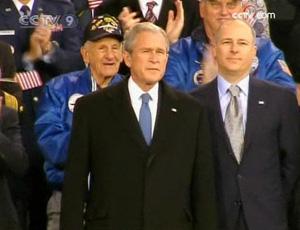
128	19
209	65
40	40
175	23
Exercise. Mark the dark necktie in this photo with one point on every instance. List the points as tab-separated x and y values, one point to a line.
234	123
150	16
145	118
25	11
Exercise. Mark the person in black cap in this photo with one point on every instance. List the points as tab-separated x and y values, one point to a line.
102	54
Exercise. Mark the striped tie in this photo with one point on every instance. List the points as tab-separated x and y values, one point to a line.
150	16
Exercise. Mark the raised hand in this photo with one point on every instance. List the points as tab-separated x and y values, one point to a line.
128	19
175	24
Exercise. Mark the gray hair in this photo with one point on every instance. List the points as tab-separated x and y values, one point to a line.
131	35
217	35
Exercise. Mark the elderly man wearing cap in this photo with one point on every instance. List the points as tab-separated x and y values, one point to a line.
102	55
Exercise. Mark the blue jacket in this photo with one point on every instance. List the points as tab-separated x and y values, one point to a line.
54	119
185	60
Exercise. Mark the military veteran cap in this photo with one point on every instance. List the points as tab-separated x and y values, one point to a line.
103	26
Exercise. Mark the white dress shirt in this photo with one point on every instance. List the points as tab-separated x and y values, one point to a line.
135	93
224	96
18	5
156	9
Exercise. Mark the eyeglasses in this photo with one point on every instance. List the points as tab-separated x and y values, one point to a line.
219	4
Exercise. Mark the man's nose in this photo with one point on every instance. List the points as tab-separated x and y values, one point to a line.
234	48
224	10
109	53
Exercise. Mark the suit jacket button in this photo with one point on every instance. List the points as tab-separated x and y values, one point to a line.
238	203
239	176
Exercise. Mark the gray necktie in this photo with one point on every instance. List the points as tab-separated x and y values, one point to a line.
234	123
145	118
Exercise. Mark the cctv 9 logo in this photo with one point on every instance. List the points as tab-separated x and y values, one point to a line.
55	22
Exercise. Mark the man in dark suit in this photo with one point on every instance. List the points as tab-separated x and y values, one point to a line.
149	161
255	128
12	160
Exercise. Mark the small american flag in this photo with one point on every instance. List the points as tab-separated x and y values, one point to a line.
29	79
94	3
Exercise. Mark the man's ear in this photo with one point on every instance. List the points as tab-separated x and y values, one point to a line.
214	49
201	8
127	58
255	50
85	55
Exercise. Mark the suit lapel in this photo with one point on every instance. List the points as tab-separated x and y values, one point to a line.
213	96
37	8
127	120
163	15
8	9
166	119
255	97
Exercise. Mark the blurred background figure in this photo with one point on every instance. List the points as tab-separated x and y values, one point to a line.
46	42
257	16
133	11
13	160
285	32
11	93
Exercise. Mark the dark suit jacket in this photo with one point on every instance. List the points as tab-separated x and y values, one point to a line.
166	186
191	10
12	159
263	181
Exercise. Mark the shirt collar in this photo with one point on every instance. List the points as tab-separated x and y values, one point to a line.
224	85
18	4
143	3
135	91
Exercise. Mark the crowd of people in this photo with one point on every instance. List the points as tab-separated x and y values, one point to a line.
149	115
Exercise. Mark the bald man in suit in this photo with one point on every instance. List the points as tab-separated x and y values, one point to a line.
256	133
